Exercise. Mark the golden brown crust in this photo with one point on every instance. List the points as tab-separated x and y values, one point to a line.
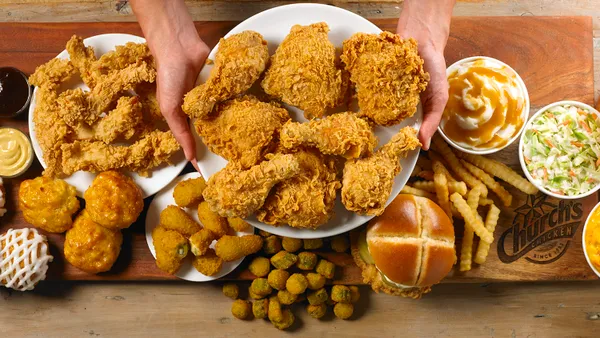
373	277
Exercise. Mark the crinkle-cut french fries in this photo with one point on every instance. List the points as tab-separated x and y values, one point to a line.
435	156
489	181
491	220
501	171
466	251
459	187
439	145
407	189
441	187
470	219
426	175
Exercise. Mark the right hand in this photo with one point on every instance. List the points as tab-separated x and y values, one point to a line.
177	70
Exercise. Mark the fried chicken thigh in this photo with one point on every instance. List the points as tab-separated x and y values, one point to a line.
305	200
367	183
388	74
343	134
243	129
303	71
239	62
238	193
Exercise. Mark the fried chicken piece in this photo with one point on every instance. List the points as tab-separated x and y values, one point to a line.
306	200
121	57
48	204
113	200
388	73
239	61
343	134
82	58
170	247
367	183
231	248
243	131
232	192
108	89
74	110
303	71
124	121
149	152
51	74
150	108
51	131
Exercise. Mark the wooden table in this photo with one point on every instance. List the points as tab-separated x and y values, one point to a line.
181	309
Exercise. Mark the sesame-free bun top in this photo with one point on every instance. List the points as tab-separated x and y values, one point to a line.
412	242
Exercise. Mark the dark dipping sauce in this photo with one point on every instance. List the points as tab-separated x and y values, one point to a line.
14	92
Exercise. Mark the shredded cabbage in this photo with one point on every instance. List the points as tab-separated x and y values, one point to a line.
561	149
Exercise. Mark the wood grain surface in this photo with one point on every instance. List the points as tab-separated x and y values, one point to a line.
59	310
535	47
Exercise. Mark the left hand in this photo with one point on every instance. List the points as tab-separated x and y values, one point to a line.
428	22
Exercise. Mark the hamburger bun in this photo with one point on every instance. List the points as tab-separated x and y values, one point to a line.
409	248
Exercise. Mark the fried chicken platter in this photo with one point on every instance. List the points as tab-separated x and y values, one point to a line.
95	110
301	136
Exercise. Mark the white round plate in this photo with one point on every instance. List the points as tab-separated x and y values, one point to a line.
187	271
274	25
81	180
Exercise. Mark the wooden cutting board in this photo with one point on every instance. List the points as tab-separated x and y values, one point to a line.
538	238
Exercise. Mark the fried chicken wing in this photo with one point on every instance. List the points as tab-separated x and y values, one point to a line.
243	130
303	71
107	90
367	183
149	152
343	134
306	200
51	74
122	122
82	58
388	73
239	61
232	192
113	200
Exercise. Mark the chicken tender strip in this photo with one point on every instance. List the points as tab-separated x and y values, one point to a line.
124	121
150	107
82	58
244	130
306	200
343	134
106	92
51	74
121	57
303	71
232	192
149	152
239	61
74	109
388	73
367	183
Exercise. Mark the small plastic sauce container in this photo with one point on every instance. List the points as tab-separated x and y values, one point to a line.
16	153
15	92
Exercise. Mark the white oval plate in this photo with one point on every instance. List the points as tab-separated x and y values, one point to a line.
81	180
274	24
187	271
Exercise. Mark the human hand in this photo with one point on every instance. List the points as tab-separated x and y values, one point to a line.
177	70
428	22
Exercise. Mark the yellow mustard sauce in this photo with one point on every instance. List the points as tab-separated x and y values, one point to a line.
15	152
592	239
475	92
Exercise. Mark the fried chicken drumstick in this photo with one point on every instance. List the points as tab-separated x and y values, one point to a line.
343	134
388	73
238	193
367	183
240	60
